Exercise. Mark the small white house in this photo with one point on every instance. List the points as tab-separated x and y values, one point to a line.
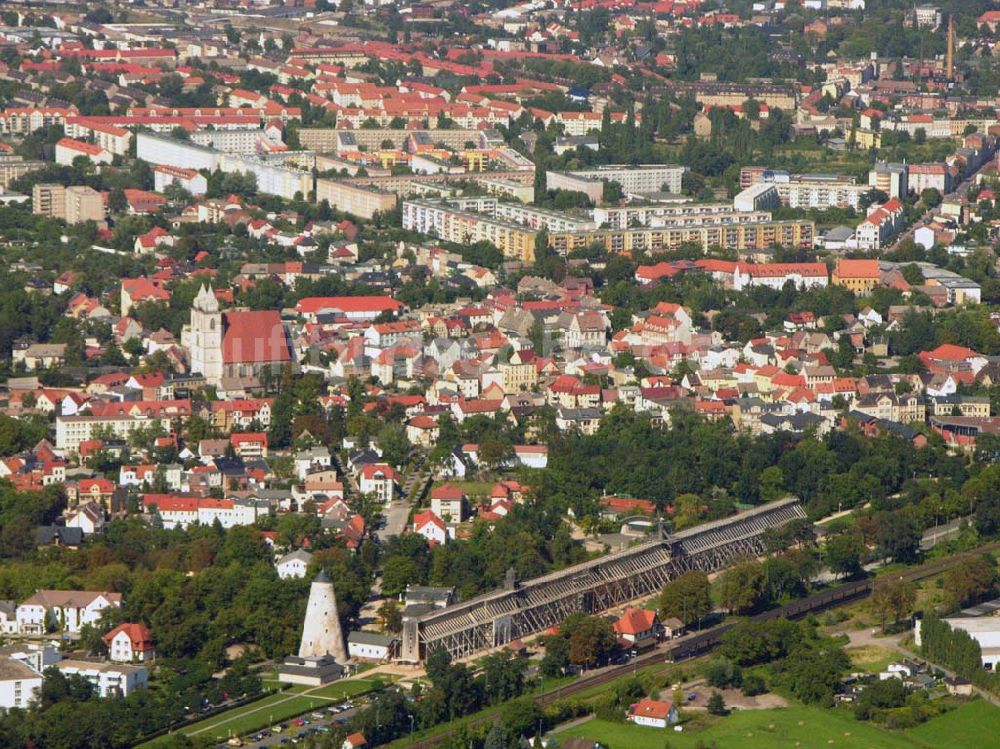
378	479
129	642
88	517
431	527
370	646
293	564
653	713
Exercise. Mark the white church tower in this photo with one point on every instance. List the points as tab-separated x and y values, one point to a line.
321	634
205	336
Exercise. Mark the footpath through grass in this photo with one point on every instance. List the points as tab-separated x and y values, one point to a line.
801	727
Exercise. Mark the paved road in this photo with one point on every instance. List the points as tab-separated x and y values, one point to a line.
925	219
395	520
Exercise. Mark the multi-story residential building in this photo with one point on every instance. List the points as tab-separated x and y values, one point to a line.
68	149
674	214
730	236
941	177
64	610
83	204
108	679
378	479
363	202
74	204
165	175
13	166
181	512
776	275
25	120
463	227
881	224
810	190
720	94
518	372
112	138
72	430
642	178
890	179
49	199
448	502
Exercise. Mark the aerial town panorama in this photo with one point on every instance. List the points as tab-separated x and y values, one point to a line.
499	374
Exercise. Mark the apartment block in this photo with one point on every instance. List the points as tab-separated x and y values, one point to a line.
49	200
13	166
890	179
633	179
731	236
452	224
363	202
72	430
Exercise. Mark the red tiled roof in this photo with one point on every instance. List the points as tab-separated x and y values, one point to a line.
140	637
635	621
254	337
348	304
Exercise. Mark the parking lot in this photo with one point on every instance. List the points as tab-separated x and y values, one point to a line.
321	720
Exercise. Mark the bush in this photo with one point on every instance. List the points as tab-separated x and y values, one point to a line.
716	705
754	684
723	673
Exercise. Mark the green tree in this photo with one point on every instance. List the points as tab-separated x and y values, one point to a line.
687	598
740	587
716	704
892	599
842	553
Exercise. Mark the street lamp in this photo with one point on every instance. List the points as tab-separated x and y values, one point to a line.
411	728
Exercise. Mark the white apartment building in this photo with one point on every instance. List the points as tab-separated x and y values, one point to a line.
19	684
72	430
109	679
64	610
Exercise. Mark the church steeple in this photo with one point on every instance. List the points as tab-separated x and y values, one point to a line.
206	335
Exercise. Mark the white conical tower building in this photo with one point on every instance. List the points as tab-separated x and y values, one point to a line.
321	634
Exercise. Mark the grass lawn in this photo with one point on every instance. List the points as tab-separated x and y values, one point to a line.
872	658
802	727
472	488
344	689
970	725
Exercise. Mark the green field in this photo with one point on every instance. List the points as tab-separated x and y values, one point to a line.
971	725
801	727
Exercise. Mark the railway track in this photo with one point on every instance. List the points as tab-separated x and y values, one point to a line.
700	643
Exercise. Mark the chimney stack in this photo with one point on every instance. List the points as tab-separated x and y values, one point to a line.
949	60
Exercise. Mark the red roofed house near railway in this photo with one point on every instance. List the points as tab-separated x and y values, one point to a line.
653	713
233	345
637	628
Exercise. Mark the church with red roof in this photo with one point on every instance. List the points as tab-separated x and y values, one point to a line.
236	345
